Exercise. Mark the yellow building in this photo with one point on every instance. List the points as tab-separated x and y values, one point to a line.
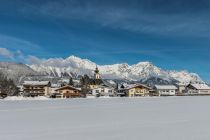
94	83
137	90
92	86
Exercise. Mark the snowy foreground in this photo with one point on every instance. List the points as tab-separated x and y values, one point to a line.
164	118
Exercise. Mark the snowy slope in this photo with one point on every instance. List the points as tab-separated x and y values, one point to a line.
74	66
16	71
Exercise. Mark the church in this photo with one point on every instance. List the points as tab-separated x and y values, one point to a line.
96	80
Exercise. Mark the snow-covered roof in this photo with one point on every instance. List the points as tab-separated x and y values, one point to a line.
36	83
55	85
102	86
165	87
182	84
67	87
200	86
136	85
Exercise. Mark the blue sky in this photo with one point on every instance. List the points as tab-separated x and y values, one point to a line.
171	34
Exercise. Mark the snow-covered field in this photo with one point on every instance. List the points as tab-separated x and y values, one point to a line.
164	118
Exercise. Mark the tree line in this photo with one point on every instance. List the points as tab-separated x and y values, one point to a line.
7	86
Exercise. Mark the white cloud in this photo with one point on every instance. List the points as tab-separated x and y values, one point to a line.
6	53
129	19
11	42
19	54
33	60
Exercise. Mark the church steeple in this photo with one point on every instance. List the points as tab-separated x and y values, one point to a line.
97	75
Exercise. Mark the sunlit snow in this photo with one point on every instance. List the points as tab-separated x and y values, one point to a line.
150	118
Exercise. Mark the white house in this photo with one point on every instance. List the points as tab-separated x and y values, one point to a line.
36	88
201	89
181	88
103	91
165	90
53	90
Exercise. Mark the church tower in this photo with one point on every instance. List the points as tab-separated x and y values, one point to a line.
97	75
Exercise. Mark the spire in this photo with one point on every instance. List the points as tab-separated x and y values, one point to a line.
97	75
96	70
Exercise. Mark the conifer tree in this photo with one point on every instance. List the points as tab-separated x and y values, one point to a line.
71	82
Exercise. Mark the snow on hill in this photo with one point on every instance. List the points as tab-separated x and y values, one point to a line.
16	71
74	66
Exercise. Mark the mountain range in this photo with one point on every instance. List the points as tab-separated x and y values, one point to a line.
144	72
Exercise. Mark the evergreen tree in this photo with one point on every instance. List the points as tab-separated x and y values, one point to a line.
84	81
63	84
117	86
122	86
71	82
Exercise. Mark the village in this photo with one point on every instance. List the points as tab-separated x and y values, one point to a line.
97	87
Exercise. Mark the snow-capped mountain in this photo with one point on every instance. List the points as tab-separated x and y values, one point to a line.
16	71
74	66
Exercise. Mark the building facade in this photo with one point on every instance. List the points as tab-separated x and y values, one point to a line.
103	91
36	88
96	81
181	88
200	89
165	90
68	92
137	90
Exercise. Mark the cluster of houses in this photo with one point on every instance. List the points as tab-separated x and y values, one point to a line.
96	87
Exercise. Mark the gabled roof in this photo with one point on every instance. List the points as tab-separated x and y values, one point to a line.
107	84
181	84
137	85
55	85
200	86
36	83
102	86
67	87
166	87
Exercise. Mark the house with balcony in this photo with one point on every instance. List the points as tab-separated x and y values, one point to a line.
68	92
165	90
36	88
137	90
198	89
103	90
